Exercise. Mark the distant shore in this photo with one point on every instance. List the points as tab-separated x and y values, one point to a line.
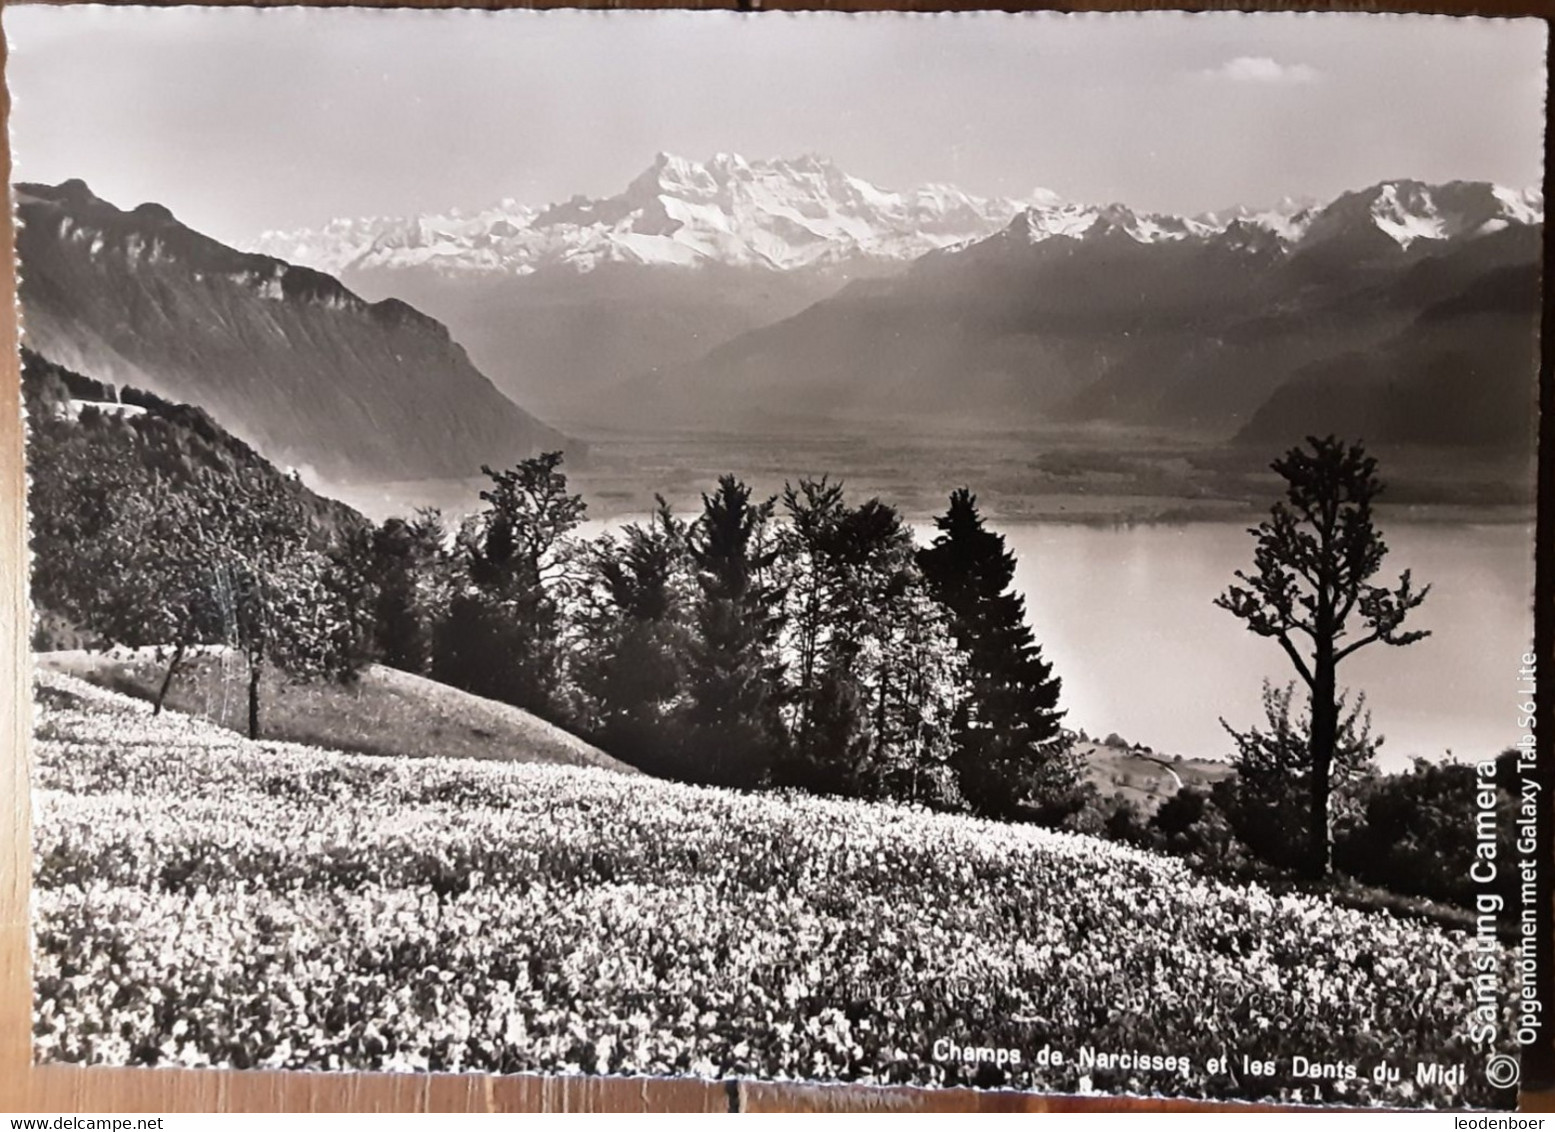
612	498
1085	475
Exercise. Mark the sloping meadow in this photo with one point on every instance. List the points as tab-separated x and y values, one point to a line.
203	900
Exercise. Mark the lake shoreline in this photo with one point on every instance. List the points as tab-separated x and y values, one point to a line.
610	502
1075	474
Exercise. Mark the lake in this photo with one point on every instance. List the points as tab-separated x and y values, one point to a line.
1126	616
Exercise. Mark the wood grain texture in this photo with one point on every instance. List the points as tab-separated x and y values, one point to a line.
15	677
64	1088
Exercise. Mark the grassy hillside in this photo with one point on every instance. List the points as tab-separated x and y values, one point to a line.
387	712
1146	779
204	900
384	712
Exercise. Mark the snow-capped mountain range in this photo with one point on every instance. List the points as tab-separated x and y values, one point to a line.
804	213
779	215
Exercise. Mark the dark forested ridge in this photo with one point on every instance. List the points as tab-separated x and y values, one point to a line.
74	417
305	370
153	527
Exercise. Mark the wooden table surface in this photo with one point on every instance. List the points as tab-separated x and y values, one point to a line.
65	1088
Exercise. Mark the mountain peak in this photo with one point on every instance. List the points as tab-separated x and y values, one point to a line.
775	214
74	191
74	197
730	162
150	234
804	212
809	163
672	164
155	213
1407	211
1396	213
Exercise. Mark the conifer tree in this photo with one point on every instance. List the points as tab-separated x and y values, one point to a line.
734	730
1011	757
635	635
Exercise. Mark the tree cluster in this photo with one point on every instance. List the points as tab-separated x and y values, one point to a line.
154	528
801	641
1410	833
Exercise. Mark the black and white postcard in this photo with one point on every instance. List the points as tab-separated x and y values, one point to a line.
984	550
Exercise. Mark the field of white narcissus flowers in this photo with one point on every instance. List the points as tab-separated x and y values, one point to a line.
204	900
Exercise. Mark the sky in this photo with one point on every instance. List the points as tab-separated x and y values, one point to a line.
242	120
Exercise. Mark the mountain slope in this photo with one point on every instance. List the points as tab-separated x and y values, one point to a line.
104	467
1104	315
554	339
287	357
67	409
1463	374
